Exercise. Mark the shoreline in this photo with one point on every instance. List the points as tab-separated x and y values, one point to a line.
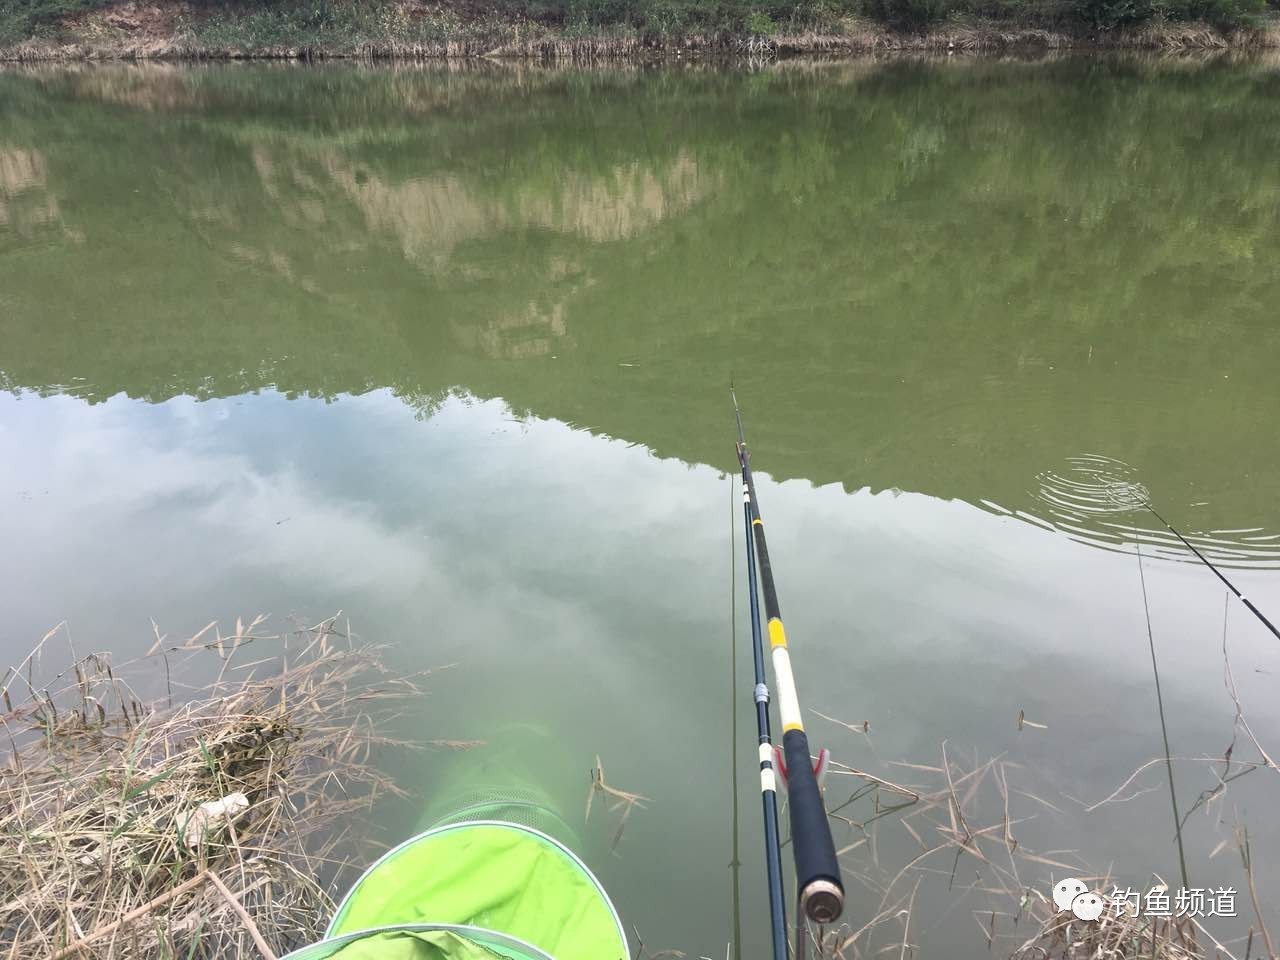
119	33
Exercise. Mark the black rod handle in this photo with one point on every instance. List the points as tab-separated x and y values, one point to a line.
821	891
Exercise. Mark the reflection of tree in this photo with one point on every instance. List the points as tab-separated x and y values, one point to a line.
26	205
531	333
935	277
430	215
20	170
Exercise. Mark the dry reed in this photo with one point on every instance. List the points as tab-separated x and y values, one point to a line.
939	813
103	853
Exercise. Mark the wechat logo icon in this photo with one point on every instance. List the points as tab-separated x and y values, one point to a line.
1072	894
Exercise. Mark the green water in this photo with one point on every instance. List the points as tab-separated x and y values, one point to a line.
450	349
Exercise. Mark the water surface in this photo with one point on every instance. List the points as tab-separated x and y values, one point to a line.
450	349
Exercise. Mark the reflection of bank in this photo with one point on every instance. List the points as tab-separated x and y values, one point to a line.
420	226
431	215
494	874
27	205
533	331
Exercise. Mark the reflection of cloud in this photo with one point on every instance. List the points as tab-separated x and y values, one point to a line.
114	473
130	510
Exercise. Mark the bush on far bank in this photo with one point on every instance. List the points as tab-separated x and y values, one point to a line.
664	17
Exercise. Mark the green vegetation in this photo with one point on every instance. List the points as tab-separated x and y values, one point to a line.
21	19
663	17
658	17
342	27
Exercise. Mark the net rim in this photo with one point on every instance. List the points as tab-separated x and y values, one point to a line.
433	831
471	932
451	819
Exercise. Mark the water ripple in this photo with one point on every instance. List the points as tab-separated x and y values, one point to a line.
1101	502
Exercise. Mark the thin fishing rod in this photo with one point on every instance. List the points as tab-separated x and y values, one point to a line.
820	889
768	779
1205	560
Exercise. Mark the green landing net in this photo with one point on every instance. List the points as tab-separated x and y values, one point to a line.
487	881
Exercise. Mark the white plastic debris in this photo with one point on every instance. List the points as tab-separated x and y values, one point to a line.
212	816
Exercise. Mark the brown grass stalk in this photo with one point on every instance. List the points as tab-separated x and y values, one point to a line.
102	853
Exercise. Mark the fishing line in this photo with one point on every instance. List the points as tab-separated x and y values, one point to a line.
760	697
1164	729
734	864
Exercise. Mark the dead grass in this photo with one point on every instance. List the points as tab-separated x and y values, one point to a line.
960	822
214	827
620	802
1117	934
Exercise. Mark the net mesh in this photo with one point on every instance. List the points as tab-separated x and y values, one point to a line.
525	808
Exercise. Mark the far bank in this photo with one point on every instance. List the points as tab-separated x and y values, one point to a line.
586	30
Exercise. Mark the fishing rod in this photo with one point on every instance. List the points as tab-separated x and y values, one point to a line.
1205	560
820	891
768	778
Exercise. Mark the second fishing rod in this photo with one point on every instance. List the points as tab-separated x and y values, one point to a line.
820	891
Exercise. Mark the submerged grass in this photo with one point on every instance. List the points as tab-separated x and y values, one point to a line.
1011	905
212	828
940	813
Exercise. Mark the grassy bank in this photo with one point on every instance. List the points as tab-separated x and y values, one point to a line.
593	29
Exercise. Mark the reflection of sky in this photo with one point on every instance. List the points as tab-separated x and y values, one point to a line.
583	584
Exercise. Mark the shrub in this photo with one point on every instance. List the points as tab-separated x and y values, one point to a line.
1109	14
1227	13
664	17
20	19
908	14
